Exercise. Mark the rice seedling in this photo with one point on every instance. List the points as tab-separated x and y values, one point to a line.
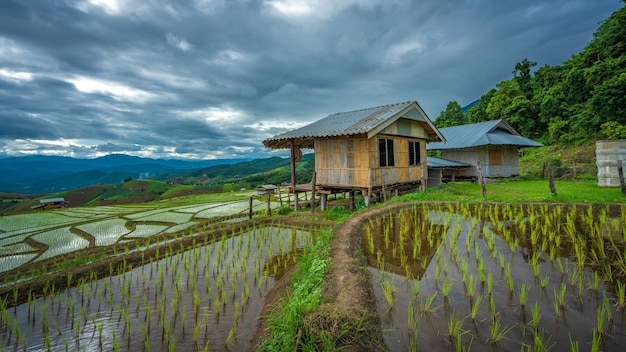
388	288
476	307
447	286
428	304
535	314
621	294
509	280
497	331
573	344
455	328
596	341
523	294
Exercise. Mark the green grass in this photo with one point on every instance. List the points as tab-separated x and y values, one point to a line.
567	191
286	324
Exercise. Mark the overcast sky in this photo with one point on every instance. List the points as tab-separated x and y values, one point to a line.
213	78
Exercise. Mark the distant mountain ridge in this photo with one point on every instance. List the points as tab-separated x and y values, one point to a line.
49	174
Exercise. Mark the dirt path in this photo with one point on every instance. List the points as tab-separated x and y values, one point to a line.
350	312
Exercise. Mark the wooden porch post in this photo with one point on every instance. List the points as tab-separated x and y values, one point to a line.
313	181
293	175
293	163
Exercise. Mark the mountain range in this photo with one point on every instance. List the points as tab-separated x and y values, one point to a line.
50	174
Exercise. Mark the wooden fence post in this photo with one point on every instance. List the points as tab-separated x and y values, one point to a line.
620	172
481	179
551	176
250	212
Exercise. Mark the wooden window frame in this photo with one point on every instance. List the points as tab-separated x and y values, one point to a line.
415	158
386	152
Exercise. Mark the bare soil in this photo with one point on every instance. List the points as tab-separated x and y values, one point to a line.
348	293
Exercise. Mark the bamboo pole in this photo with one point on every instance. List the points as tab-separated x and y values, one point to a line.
250	212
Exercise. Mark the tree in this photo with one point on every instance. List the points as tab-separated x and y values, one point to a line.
452	116
608	101
502	99
479	112
524	78
520	115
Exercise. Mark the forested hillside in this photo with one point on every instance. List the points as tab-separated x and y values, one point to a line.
581	100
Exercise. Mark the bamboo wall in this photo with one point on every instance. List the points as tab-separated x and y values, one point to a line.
342	161
353	162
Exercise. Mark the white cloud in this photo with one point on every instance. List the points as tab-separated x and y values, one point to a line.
226	116
111	7
117	91
178	43
281	125
16	77
315	9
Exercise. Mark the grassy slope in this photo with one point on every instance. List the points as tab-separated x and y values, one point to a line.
562	156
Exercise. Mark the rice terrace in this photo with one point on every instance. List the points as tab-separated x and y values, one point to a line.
425	276
166	185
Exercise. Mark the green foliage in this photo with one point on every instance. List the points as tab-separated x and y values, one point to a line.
337	213
524	79
284	210
452	116
613	130
567	103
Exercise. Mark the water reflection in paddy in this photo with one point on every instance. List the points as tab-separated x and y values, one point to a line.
207	297
451	277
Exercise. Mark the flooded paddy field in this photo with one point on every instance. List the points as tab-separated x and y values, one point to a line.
36	237
191	296
499	277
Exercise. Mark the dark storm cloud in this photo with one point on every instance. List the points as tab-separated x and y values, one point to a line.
213	78
20	125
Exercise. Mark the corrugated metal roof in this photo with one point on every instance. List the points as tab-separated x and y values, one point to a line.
496	132
437	163
349	123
